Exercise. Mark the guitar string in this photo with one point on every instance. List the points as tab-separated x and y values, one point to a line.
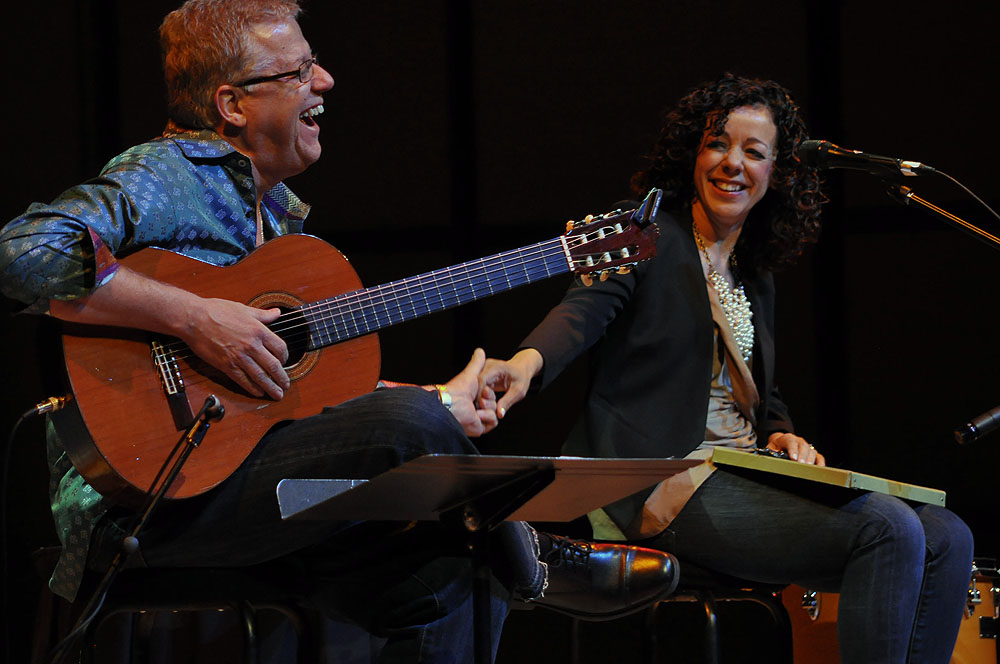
431	280
493	264
197	378
346	305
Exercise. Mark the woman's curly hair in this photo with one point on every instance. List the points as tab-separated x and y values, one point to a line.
787	219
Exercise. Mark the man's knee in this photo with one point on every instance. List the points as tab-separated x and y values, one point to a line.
416	416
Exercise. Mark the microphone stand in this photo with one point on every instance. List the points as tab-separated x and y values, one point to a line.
212	410
904	195
990	420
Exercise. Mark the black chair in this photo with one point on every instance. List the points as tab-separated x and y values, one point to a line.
699	586
143	592
707	589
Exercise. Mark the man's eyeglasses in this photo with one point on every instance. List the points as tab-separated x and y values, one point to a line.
304	74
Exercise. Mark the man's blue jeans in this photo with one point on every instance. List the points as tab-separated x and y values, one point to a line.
902	571
411	585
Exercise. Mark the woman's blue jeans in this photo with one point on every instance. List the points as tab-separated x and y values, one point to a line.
902	570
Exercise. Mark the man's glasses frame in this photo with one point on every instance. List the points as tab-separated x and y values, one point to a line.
304	73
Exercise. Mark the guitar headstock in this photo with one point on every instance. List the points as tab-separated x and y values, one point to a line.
615	241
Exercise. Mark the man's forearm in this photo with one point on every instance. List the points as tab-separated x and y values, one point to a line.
134	300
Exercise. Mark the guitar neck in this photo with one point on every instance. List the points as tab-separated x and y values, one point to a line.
368	310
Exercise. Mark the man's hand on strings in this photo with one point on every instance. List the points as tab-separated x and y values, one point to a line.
234	338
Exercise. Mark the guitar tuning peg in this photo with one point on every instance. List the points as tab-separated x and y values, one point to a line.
604	275
569	226
624	269
587	280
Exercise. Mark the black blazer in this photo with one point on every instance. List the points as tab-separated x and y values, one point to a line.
653	331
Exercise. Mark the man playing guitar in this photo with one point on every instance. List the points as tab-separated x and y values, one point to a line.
244	92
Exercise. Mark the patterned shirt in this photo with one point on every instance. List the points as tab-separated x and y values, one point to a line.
189	192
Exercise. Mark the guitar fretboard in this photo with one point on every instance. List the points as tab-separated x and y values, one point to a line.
368	310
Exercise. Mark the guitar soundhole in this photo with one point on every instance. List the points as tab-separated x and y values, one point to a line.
293	328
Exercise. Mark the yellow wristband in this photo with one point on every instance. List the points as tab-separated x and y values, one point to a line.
444	396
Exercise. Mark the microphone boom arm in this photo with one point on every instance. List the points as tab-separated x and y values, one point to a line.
906	196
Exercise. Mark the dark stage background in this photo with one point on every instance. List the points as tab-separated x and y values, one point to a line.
458	129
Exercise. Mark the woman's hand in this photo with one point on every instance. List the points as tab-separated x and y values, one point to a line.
796	447
512	378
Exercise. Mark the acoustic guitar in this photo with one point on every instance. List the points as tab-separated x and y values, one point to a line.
134	392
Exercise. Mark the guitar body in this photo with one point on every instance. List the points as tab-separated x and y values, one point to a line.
119	397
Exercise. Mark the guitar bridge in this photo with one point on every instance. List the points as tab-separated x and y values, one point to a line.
173	384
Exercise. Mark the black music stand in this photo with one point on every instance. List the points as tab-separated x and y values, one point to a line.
477	492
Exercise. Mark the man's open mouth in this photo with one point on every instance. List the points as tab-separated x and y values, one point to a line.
307	117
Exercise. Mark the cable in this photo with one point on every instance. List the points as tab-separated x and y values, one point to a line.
970	193
4	538
49	405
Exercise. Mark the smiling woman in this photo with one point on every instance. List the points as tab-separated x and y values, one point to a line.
684	362
731	175
791	211
732	171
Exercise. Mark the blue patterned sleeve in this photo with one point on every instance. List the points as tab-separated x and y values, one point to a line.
66	249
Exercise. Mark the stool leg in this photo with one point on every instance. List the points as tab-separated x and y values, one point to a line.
711	627
143	624
248	621
119	633
306	630
45	633
650	642
574	641
782	623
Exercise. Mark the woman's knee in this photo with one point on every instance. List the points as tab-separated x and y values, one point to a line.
890	521
947	535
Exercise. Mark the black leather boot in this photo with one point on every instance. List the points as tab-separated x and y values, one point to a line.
603	581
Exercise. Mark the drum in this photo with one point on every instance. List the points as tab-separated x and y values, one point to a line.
814	621
814	625
977	637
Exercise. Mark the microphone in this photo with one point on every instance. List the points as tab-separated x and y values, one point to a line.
824	155
50	405
984	424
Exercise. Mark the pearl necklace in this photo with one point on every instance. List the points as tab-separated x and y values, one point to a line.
734	301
